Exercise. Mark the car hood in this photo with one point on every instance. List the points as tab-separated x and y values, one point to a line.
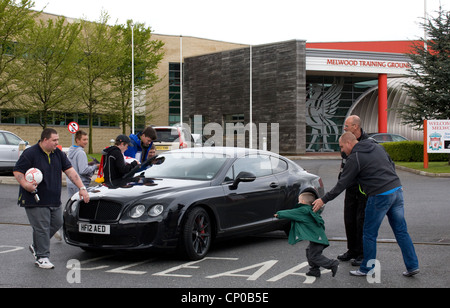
138	191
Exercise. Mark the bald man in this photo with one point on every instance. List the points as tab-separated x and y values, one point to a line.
354	203
369	164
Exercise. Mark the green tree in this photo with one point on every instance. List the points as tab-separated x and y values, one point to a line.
15	19
148	54
431	71
48	67
99	58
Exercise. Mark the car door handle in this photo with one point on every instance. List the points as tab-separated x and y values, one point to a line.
273	185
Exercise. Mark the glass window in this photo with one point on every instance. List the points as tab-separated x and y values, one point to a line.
12	139
278	165
174	93
2	139
259	165
327	103
181	167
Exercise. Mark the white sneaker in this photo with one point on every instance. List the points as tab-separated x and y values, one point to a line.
44	263
357	273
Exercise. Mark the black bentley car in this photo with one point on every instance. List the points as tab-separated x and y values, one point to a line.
188	198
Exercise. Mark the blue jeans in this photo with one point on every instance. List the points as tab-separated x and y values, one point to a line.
376	208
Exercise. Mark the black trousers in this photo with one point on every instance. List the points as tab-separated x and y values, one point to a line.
316	259
354	211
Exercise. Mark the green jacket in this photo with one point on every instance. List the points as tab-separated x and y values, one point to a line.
305	225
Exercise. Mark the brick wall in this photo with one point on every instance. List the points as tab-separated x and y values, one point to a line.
218	84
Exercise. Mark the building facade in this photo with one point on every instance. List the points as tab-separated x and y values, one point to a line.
305	93
296	94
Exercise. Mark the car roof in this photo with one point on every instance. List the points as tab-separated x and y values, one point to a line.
228	151
5	131
166	127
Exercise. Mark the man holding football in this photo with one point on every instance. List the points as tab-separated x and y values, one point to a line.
42	201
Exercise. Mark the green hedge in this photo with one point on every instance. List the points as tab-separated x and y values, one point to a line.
411	151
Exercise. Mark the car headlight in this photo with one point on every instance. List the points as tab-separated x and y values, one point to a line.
73	207
137	211
156	210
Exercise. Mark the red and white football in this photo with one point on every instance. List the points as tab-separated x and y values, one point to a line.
34	175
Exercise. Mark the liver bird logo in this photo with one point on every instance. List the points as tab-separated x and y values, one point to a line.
321	107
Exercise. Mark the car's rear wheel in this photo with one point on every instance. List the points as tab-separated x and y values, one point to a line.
196	234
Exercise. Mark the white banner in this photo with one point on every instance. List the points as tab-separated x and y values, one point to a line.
438	136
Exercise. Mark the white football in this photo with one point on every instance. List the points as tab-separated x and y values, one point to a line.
34	175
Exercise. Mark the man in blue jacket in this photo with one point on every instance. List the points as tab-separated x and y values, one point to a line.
369	164
141	143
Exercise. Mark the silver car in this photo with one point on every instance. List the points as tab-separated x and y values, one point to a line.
9	149
386	137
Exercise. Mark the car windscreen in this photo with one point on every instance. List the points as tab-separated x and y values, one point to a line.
189	167
167	135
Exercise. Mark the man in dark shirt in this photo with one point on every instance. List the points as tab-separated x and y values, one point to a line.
45	213
354	203
369	164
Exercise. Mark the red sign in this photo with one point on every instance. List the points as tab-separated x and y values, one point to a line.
73	127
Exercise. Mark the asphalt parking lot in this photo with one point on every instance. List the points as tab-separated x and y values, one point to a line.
263	261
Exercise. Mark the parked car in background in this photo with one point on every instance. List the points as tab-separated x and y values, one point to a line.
189	198
385	137
9	149
171	138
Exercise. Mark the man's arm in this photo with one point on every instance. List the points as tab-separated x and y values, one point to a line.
348	176
20	177
75	178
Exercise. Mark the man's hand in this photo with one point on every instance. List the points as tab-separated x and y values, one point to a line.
84	195
317	205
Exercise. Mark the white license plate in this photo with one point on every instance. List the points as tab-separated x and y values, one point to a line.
93	228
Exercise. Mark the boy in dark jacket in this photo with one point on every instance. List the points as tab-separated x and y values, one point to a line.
308	225
114	166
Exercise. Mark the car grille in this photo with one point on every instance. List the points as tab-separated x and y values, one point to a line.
101	210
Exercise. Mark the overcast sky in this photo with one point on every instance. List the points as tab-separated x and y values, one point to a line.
262	21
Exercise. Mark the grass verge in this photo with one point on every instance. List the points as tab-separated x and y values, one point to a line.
433	167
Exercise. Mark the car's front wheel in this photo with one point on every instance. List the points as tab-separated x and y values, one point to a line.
196	234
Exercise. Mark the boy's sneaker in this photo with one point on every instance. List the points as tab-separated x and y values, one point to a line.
411	273
44	263
33	252
334	268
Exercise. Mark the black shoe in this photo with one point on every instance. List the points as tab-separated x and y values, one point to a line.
357	261
346	256
313	273
334	269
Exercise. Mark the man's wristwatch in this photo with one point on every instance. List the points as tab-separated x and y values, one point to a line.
83	188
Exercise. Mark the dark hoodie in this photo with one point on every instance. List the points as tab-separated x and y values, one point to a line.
370	165
114	166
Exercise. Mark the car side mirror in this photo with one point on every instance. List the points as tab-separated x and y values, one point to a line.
243	176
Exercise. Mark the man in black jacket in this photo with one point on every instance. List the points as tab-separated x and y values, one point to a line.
369	164
354	203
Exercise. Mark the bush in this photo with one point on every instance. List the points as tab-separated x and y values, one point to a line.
411	151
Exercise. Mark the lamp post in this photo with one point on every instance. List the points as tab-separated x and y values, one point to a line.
132	77
181	80
251	99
